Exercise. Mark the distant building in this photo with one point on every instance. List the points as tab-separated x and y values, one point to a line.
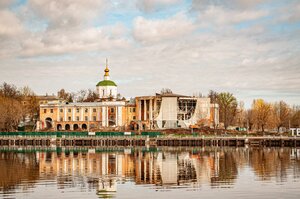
42	99
169	110
107	89
161	111
107	111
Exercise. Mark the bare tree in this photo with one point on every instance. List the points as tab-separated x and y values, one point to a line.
295	117
81	95
241	115
250	119
166	91
10	91
213	95
11	113
62	94
91	96
26	91
281	113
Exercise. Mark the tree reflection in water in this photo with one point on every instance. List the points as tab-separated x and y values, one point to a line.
164	168
16	169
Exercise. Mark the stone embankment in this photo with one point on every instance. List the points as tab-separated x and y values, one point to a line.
93	140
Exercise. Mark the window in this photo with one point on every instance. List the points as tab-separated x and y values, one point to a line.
133	109
94	118
69	118
77	118
69	110
77	110
61	119
86	118
112	110
133	117
45	110
51	110
86	110
94	110
61	110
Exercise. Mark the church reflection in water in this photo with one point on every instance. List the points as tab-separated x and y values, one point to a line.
166	168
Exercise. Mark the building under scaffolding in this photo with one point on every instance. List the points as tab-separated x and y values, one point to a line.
164	111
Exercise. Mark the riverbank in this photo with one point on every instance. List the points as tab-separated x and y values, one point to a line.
96	139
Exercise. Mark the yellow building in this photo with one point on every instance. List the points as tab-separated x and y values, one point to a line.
160	111
130	115
107	111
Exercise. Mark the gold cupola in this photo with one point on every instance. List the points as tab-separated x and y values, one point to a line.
106	71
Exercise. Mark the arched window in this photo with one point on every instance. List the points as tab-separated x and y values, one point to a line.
48	122
75	127
84	126
59	127
67	127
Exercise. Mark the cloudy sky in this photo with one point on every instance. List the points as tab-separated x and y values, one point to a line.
248	47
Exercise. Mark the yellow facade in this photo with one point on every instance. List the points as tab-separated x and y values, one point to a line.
130	116
83	116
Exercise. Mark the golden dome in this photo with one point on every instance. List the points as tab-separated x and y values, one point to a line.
106	71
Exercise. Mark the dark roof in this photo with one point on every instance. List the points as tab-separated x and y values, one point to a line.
170	95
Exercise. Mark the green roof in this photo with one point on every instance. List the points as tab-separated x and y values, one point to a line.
106	83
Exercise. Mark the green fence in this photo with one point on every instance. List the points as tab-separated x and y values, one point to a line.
77	134
151	134
65	134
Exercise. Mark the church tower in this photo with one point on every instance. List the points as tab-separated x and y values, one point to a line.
107	89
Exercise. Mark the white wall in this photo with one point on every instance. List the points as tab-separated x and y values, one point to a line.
107	90
168	113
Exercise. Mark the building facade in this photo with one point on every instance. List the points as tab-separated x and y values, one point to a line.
107	111
165	111
160	111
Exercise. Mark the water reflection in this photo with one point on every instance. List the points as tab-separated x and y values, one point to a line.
169	168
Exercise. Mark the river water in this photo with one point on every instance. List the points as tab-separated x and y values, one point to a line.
150	173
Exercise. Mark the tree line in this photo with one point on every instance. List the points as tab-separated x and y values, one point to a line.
17	104
20	104
261	116
12	107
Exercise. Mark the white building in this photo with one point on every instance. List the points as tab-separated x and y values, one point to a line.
107	88
170	110
108	111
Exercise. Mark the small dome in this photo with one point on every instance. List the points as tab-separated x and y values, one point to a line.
106	83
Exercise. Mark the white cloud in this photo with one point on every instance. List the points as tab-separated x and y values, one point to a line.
68	29
232	4
220	16
10	25
6	3
68	13
73	40
148	31
152	5
291	12
177	52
